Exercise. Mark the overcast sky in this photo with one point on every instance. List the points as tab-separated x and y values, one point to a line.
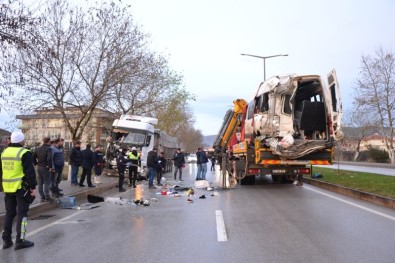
205	39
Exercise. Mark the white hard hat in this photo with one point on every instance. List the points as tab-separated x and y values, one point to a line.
17	137
134	149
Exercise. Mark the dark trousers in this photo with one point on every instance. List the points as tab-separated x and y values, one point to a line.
159	174
15	205
121	173
98	170
132	175
44	180
88	174
59	172
54	179
178	169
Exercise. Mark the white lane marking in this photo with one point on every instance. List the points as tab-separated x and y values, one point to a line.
221	231
60	220
353	204
53	223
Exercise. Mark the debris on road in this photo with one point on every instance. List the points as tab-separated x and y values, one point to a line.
318	175
95	199
67	202
202	184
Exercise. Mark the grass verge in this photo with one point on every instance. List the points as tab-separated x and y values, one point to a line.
372	183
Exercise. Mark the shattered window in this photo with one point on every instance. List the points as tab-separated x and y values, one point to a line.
263	102
137	139
250	110
287	106
334	100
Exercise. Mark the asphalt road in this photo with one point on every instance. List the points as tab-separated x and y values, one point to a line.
263	223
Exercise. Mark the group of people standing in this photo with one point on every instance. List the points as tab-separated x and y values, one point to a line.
156	165
87	160
131	161
49	160
201	160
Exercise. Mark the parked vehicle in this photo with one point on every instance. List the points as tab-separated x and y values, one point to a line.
191	158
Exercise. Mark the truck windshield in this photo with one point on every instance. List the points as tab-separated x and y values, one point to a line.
137	139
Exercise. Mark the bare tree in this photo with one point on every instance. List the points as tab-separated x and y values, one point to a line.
375	92
79	59
176	115
191	139
149	84
16	23
363	123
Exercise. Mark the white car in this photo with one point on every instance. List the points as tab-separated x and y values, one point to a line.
192	158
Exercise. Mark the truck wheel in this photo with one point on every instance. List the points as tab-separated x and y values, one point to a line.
248	180
285	179
274	178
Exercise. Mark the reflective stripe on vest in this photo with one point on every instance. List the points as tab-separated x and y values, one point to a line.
11	162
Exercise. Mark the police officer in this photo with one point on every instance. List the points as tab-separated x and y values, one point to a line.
134	158
19	183
121	165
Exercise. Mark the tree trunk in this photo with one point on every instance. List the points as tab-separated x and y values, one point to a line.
391	153
356	155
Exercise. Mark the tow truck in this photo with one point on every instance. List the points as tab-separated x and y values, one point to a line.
291	123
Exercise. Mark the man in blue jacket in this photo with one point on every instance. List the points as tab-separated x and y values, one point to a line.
203	161
58	163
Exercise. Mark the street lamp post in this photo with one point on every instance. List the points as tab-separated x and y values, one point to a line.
264	61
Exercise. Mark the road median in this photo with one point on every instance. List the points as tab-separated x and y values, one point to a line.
357	194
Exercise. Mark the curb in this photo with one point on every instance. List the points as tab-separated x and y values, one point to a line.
368	197
42	207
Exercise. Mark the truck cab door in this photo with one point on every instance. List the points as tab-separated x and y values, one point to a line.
335	107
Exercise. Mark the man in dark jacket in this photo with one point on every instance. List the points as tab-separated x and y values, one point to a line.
199	164
99	163
179	162
161	168
42	158
121	165
152	164
88	161
75	162
18	179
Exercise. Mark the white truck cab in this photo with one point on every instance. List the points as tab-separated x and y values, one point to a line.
132	131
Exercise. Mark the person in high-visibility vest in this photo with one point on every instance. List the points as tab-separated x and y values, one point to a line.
134	158
18	179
